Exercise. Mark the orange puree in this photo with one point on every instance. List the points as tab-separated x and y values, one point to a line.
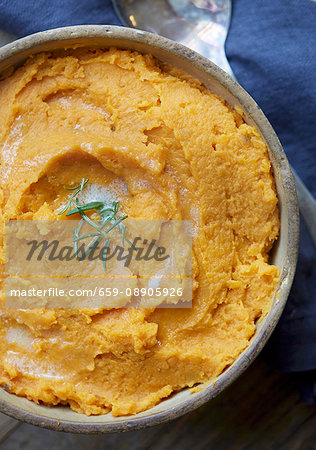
169	149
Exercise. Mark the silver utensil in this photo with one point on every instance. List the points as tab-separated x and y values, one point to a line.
201	25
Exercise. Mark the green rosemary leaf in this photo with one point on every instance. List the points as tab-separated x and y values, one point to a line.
123	231
83	183
85	207
85	236
75	236
64	210
93	245
130	243
76	232
105	248
116	207
89	221
78	189
115	224
104	210
107	220
80	186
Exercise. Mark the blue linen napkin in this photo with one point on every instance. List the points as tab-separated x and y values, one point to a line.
272	49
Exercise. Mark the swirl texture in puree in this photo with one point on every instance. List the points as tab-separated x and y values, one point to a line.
169	149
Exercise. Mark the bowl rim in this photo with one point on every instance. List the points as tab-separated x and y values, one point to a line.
258	341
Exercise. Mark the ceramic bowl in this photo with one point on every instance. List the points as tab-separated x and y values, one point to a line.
284	254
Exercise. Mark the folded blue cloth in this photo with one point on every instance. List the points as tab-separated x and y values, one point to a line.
272	49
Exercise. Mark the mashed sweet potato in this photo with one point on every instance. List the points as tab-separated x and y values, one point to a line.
168	148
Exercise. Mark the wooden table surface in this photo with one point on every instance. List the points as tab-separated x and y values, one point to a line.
261	410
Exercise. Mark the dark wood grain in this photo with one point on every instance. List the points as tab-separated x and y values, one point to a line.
261	410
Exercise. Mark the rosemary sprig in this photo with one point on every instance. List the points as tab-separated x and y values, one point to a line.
108	214
105	249
73	198
85	207
80	186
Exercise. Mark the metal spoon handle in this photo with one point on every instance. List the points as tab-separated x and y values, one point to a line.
307	204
